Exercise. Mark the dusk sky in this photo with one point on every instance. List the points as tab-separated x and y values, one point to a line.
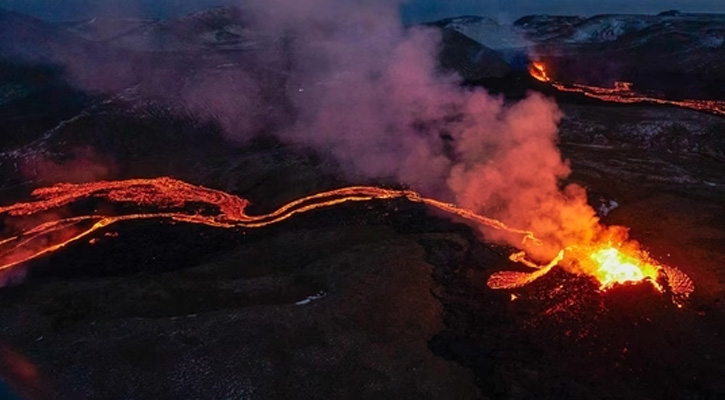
414	11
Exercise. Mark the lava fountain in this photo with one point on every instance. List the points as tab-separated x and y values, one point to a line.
614	266
39	227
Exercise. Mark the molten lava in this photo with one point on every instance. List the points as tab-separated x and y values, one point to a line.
623	92
38	227
538	71
615	267
45	232
610	265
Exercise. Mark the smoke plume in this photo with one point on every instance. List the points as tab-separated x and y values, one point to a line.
346	78
369	91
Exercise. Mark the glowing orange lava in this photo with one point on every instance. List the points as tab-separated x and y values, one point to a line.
623	92
610	265
172	199
38	227
538	71
615	267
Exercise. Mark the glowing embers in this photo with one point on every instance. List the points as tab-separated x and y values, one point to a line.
623	92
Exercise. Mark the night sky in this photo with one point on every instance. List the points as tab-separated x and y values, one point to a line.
414	11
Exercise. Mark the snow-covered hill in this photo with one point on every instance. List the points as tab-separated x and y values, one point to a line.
486	31
616	27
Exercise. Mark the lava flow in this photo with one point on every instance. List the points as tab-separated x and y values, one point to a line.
38	227
46	232
622	92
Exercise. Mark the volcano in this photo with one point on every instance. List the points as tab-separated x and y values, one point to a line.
227	205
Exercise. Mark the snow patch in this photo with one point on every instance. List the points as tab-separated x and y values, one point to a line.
489	33
319	295
607	207
712	42
608	29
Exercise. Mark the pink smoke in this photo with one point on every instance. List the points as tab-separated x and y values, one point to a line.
370	92
80	165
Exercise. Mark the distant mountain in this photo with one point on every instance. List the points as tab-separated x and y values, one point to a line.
225	29
89	65
615	27
221	28
672	54
543	27
682	55
24	39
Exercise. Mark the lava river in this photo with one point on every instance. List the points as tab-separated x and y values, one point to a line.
623	92
46	224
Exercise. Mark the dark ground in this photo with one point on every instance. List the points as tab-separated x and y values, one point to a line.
405	310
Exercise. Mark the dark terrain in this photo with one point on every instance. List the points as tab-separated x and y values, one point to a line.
399	306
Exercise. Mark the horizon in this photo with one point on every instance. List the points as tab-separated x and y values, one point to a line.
411	12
